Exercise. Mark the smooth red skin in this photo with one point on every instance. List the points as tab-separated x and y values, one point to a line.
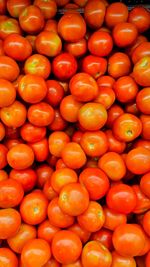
124	34
47	231
15	7
145	119
145	184
58	123
113	219
74	23
29	23
62	177
76	137
77	49
60	164
52	263
128	240
142	50
1	48
143	202
140	17
2	131
17	47
3	175
10	223
114	144
27	178
140	39
115	14
41	114
48	43
44	172
106	97
48	190
10	143
143	100
146	222
3	156
2	7
50	25
121	198
95	181
11	193
69	108
131	107
38	133
119	65
8	26
31	39
125	89
9	69
141	72
55	93
100	44
135	158
104	236
113	113
57	141
105	81
7	93
117	260
94	13
142	143
48	8
147	260
95	66
64	66
40	150
8	258
83	234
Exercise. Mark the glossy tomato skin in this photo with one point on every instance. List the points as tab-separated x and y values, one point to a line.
15	7
125	34
143	100
145	119
140	39
47	231
113	219
140	17
10	223
115	14
104	236
124	261
9	69
119	65
142	50
40	150
105	81
44	172
77	49
8	26
8	258
94	66
141	71
83	234
7	93
3	156
113	113
94	13
100	44
38	133
114	145
50	25
55	93
69	108
144	184
48	8
55	138
143	202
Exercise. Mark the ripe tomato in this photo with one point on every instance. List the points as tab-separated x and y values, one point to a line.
142	50
95	66
145	184
3	175
33	208
100	44
115	14
10	143
124	34
52	263
61	3
128	240
104	236
10	222
105	81
141	72
58	123
143	100
106	97
77	49
20	157
8	258
131	107
25	233
140	17
48	8
73	199
146	222
114	145
40	150
94	13
69	243
38	133
147	260
140	39
118	260
113	219
56	215
15	7
95	254
121	198
127	127
44	172
31	39
31	19
9	69
143	202
3	156
145	119
83	234
134	160
48	43
48	190
47	231
2	131
57	141
74	23
29	255
69	108
55	93
40	114
119	65
113	113
8	26
95	181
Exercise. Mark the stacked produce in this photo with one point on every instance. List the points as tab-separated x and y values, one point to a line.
75	134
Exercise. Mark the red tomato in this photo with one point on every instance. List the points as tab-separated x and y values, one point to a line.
40	150
145	119
142	50
77	49
105	81
113	113
3	156
48	190
48	8
115	14
94	13
100	44
31	39
143	202
119	65
8	258
58	123
8	26
2	7
143	100
114	145
146	222
55	93
10	223
95	66
141	72
3	175
52	263
131	107
104	236
57	141
145	184
69	108
15	7
83	234
106	97
38	133
7	93
44	172
140	39
140	17
124	34
9	69
147	260
118	260
47	231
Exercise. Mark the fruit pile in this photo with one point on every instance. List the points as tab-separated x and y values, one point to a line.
75	134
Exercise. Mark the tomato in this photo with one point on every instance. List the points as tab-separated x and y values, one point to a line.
15	7
55	93
52	263
57	141
61	3
119	65
2	7
131	107
33	208
134	160
74	23
48	43
36	252
121	198
14	115
125	89
48	8
100	44
38	133
76	137
48	190
3	175
56	215
10	222
62	177
140	17
128	240
142	50
31	39
115	14
37	65
9	69
40	150
8	258
73	199
114	145
64	66
106	97
113	219
69	243
143	202
3	156
118	260
25	233
113	113
50	25
58	123
77	49
141	72
47	231
143	100
31	19
104	236
142	143
40	114
8	26
113	165
140	39
95	66
26	177
145	119
144	184
95	254
94	13
44	172
124	34
127	127
7	93
105	81
83	234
